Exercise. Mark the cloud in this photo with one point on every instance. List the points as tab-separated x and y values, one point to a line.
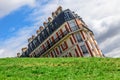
14	44
1	52
102	16
6	7
114	53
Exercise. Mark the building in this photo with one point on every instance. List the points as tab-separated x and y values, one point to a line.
63	35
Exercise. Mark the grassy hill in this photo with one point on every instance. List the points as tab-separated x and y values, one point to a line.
60	69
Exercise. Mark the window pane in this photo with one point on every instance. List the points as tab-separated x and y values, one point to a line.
78	36
84	49
73	25
31	46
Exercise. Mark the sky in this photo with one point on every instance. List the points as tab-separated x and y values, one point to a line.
19	19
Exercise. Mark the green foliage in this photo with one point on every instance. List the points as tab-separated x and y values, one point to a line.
60	69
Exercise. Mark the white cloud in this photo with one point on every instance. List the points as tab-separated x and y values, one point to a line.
6	7
114	53
1	52
10	47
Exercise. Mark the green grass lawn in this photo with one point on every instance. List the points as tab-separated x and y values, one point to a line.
60	69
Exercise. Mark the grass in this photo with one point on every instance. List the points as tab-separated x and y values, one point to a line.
60	69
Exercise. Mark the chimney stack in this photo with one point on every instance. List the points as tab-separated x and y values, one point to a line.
53	15
41	28
18	54
50	19
37	32
45	24
33	36
30	39
59	10
24	49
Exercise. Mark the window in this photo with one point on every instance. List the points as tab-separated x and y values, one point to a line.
54	53
64	46
56	23
78	37
52	27
55	36
84	50
39	49
46	44
39	39
43	34
66	28
49	41
59	32
36	52
56	50
67	17
73	25
70	55
59	49
31	46
51	54
34	42
48	30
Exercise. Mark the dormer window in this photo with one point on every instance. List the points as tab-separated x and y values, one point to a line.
38	31
67	16
54	15
45	24
41	28
50	19
29	40
43	33
48	30
34	42
39	39
31	46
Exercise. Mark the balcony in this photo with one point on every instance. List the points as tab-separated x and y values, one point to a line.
52	43
74	28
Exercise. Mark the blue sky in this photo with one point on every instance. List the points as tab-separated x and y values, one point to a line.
19	19
10	23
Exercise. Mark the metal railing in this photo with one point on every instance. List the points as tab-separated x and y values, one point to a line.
55	41
52	43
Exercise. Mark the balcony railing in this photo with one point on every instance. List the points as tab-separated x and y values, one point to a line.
52	43
74	28
55	41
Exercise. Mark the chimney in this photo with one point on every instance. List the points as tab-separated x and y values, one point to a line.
18	54
45	24
50	19
41	28
37	32
24	49
33	36
30	39
53	15
59	10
